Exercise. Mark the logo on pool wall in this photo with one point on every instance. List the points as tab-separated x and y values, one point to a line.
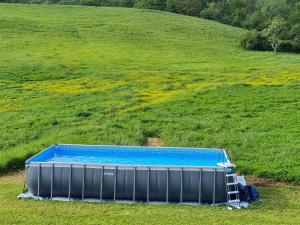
108	174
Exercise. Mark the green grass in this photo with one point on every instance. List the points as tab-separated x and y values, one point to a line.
279	205
72	74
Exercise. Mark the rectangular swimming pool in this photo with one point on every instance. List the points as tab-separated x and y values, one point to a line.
168	174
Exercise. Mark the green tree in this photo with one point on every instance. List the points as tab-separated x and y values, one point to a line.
255	21
171	6
232	12
274	8
192	7
150	4
275	31
126	3
188	7
295	32
294	22
211	12
254	40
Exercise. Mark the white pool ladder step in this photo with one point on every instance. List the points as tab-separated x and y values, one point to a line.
233	197
233	192
231	175
233	183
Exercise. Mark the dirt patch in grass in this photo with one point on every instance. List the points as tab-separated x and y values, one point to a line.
13	177
259	181
153	141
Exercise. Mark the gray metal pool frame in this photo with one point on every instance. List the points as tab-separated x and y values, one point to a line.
201	185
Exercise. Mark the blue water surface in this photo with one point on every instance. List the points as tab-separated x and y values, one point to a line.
127	155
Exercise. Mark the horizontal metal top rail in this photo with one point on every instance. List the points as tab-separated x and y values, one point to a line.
124	167
124	146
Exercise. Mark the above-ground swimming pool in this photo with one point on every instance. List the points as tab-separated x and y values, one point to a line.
98	172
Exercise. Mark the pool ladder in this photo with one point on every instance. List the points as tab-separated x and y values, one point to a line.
233	197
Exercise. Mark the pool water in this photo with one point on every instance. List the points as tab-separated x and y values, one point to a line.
127	155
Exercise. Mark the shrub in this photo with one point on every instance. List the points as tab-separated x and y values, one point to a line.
150	4
83	114
255	41
126	3
69	2
108	3
89	2
211	12
54	122
289	46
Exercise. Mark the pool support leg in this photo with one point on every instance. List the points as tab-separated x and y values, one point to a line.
200	185
115	183
134	181
181	184
83	180
148	183
214	188
38	183
70	181
167	187
51	182
101	184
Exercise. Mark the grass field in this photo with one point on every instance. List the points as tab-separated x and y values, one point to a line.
72	74
117	76
279	205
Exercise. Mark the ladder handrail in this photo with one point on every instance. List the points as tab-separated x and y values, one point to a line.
233	197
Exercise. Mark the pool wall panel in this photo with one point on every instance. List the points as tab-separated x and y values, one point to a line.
165	184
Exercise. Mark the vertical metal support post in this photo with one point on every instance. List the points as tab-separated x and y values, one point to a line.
83	181
167	186
38	184
115	183
200	185
181	184
134	181
225	183
148	183
70	182
52	179
101	184
214	188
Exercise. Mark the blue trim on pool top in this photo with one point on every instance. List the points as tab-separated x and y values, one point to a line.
49	153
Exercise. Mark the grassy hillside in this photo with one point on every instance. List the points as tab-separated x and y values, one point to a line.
117	76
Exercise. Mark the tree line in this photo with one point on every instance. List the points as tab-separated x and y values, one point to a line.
272	24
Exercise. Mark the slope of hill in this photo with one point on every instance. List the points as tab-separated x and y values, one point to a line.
117	76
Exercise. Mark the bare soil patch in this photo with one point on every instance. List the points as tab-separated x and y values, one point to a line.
259	181
153	141
13	177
